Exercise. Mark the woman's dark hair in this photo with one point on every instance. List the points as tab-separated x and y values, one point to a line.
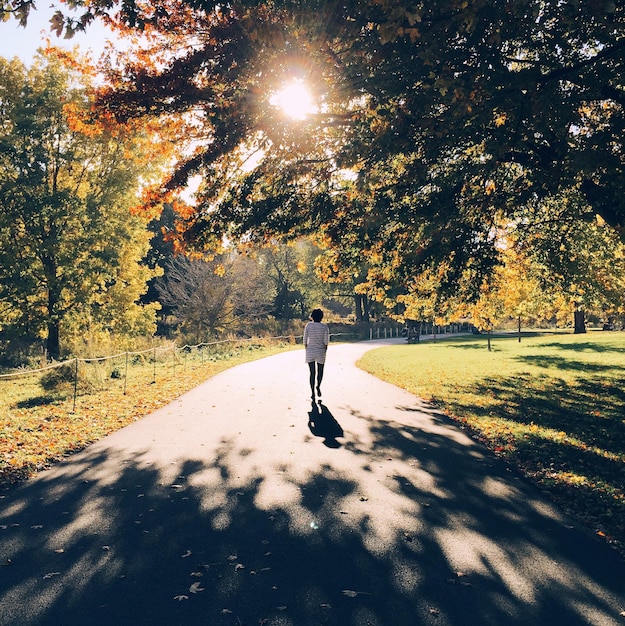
316	315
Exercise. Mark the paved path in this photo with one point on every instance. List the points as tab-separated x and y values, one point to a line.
227	508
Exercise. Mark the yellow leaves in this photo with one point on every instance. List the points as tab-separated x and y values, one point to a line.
500	119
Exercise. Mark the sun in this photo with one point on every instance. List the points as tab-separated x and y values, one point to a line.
294	99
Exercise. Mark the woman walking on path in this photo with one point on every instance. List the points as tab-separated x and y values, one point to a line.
316	339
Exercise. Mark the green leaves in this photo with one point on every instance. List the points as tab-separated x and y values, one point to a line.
70	250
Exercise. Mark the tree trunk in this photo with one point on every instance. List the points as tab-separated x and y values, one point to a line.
361	305
358	307
519	329
580	321
53	346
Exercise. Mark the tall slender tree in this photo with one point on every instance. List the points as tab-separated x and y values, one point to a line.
69	246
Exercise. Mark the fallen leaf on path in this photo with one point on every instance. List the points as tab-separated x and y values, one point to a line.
352	594
51	575
180	598
457	580
196	588
187	554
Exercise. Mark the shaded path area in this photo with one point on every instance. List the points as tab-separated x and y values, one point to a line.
241	503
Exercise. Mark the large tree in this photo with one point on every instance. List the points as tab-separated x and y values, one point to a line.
69	248
437	122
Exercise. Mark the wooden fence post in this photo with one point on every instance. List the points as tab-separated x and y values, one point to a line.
75	383
126	374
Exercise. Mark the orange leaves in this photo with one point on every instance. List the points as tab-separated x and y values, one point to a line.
183	209
72	60
79	123
412	33
490	187
152	200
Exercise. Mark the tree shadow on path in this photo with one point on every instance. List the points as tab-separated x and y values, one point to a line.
400	526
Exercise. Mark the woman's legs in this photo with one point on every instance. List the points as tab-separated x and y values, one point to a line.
318	375
311	365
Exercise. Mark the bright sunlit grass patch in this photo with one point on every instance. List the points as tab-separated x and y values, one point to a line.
553	405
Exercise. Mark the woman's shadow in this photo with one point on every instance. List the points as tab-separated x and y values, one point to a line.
322	424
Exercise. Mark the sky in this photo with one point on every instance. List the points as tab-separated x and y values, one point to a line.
23	42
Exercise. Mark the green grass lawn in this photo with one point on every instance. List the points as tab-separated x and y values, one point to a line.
552	405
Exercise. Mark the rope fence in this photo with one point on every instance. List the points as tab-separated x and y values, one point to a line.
153	356
180	356
377	333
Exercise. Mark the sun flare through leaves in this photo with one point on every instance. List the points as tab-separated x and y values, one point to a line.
294	100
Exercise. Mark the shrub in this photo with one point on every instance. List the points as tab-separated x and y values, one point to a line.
60	379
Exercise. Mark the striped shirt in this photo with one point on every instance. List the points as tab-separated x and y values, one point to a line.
316	339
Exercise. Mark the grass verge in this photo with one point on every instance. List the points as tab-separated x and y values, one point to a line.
39	427
551	405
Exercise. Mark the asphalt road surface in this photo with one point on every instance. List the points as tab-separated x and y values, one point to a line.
242	503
